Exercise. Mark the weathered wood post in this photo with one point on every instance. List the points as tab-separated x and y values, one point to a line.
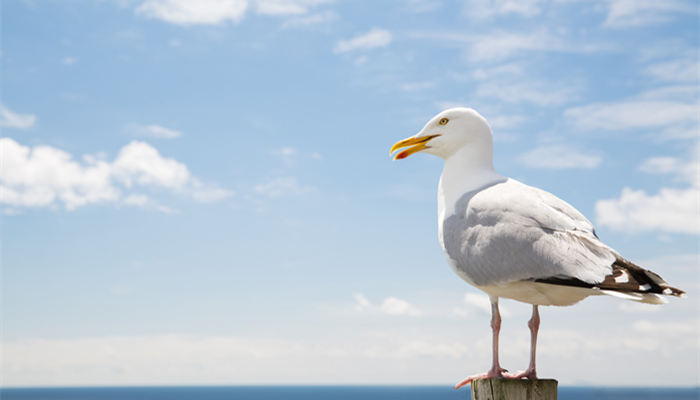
514	389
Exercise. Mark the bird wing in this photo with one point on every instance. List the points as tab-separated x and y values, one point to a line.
510	232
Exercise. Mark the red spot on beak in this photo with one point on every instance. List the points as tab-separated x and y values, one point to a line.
402	155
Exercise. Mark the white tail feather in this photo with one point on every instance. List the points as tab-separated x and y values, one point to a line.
649	298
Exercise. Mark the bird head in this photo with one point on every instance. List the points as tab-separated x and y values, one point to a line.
446	133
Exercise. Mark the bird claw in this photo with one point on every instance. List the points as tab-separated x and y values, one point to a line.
527	374
493	373
498	373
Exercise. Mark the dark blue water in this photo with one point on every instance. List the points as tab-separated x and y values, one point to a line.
324	392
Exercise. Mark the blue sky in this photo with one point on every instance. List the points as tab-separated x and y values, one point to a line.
201	192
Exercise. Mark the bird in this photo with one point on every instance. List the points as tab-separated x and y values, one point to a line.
516	241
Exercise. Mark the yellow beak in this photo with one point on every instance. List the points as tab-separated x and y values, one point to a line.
418	143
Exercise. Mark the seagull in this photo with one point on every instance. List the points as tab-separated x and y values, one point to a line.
516	241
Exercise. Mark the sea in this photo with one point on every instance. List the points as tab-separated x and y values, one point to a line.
323	392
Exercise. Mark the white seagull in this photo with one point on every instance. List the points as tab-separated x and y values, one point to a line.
517	241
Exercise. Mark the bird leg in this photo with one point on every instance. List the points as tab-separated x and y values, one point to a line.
496	371
534	325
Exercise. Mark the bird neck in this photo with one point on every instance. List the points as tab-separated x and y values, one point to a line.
469	168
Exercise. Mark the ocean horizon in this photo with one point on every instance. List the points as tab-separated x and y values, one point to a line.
314	392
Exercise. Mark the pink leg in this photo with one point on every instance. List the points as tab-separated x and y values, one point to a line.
496	371
534	325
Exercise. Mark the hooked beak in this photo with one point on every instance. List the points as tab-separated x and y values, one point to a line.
418	143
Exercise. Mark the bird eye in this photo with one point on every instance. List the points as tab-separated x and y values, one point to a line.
444	121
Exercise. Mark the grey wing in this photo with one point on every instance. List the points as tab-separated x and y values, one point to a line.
511	231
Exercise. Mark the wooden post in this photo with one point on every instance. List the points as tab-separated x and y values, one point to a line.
514	389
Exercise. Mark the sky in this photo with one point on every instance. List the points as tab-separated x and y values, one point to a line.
202	192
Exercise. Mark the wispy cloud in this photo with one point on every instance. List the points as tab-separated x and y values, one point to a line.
501	45
291	156
683	69
286	7
45	176
634	13
389	306
375	38
186	12
214	12
559	156
10	119
154	131
673	110
305	21
480	9
284	186
537	92
288	155
69	60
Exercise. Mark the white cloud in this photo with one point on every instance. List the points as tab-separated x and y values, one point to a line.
630	13
669	112
291	156
154	131
422	348
210	359
640	308
513	69
44	176
390	306
681	170
669	210
500	45
373	39
279	7
633	114
10	119
382	350
207	192
535	92
140	163
285	186
361	302
479	303
673	210
213	12
138	359
286	153
140	200
680	69
676	328
186	12
310	20
557	156
484	9
69	60
286	7
395	306
506	121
